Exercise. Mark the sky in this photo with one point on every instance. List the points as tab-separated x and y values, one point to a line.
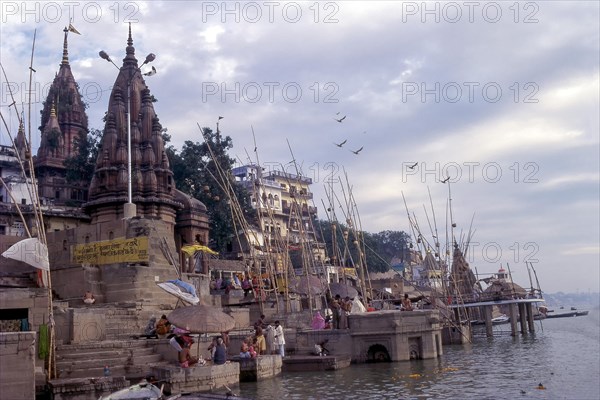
500	97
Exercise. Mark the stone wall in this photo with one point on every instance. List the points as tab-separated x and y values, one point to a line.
17	365
395	335
199	378
121	282
86	388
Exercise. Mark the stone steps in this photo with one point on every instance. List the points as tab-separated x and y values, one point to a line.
86	354
132	359
118	366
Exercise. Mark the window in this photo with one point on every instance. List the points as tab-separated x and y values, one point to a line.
23	201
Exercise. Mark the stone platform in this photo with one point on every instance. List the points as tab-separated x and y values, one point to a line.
257	369
86	388
315	363
202	378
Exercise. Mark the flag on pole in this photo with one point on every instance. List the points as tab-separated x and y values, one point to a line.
31	251
72	29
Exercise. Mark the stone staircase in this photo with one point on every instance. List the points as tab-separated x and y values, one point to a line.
132	359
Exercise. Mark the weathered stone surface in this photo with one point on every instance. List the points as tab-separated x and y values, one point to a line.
88	325
395	335
390	335
198	379
315	363
17	365
86	388
262	367
241	316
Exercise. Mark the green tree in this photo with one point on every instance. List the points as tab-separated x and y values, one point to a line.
380	247
203	176
80	167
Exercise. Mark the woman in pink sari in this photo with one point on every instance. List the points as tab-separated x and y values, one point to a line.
318	321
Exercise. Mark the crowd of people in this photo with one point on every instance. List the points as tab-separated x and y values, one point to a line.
266	339
254	285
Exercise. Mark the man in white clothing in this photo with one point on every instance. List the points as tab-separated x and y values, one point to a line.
279	339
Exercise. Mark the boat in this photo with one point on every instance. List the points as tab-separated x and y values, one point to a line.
141	391
502	319
562	315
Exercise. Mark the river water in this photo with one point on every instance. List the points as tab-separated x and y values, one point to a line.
563	355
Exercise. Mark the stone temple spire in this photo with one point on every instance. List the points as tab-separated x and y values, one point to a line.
21	142
153	186
64	122
65	58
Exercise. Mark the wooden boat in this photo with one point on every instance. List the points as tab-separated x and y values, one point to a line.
562	315
503	319
142	391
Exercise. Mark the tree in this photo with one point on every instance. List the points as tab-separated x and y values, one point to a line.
380	247
80	167
204	176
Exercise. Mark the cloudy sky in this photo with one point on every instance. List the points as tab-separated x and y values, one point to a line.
501	97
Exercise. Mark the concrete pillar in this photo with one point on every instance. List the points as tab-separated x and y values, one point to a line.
522	318
512	309
489	330
530	321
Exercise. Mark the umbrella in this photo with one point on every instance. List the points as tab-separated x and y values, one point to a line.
343	290
301	285
201	319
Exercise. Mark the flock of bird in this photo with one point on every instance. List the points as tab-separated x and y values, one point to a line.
340	145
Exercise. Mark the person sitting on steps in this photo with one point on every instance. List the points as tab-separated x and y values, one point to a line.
88	298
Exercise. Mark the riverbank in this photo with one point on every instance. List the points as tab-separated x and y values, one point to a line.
562	355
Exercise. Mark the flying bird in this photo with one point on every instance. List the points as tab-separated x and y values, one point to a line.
357	151
341	144
221	117
446	180
151	72
341	119
414	165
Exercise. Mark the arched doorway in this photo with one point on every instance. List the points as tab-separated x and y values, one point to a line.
378	353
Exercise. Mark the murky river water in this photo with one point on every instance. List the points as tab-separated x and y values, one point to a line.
564	355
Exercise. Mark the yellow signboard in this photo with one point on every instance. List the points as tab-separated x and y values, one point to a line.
112	251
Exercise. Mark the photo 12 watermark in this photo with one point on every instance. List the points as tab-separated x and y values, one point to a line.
91	92
73	11
453	12
469	92
470	172
252	12
270	92
494	252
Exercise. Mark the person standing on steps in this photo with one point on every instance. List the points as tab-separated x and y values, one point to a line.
279	339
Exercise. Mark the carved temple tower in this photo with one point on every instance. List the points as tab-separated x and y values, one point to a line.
152	183
64	121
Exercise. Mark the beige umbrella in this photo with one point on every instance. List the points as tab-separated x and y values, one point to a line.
343	290
311	286
201	319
